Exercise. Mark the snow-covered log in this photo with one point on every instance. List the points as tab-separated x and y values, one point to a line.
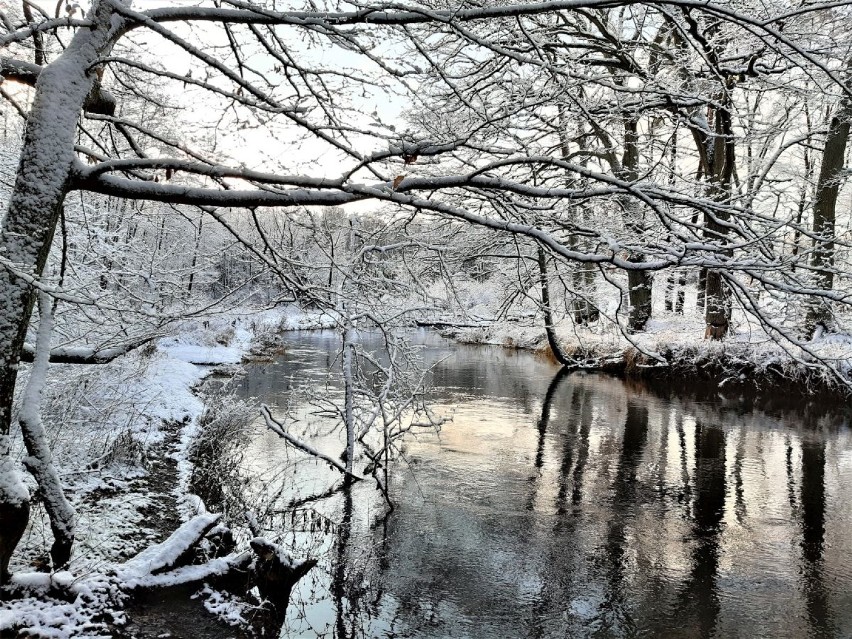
82	354
214	569
172	552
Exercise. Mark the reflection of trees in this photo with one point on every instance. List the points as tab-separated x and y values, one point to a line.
574	435
575	419
739	489
344	596
581	413
686	489
614	613
546	410
595	527
813	532
582	449
699	605
358	570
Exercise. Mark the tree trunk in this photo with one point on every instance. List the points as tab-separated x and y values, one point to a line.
680	296
639	295
675	294
639	284
194	264
585	312
14	507
720	165
349	393
828	184
582	275
42	181
583	280
63	517
718	311
555	348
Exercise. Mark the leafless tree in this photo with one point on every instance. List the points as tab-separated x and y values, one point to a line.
623	80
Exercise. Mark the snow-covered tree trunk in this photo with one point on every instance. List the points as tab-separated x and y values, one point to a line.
830	175
42	181
639	283
62	515
348	400
14	507
717	313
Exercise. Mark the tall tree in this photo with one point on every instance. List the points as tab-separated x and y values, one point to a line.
824	213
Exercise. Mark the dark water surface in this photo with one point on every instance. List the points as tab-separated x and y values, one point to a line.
576	505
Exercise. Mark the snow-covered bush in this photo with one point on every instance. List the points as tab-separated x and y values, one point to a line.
216	451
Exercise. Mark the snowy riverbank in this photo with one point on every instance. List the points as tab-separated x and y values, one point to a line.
748	357
122	434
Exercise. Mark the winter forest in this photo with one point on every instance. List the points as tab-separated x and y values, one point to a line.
442	318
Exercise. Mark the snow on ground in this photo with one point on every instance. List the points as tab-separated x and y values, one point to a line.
104	420
41	615
226	339
107	483
227	607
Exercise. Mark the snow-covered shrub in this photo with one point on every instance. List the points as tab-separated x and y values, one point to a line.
216	451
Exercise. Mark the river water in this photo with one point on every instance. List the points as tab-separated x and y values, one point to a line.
564	505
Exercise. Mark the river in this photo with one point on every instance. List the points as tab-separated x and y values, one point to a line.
564	505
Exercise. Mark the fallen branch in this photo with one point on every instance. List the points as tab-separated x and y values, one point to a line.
214	568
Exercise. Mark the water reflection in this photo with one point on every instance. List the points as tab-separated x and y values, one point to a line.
576	505
812	517
699	606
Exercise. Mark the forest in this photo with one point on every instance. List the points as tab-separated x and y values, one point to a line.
274	274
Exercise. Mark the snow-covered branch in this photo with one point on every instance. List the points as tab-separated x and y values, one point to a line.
279	429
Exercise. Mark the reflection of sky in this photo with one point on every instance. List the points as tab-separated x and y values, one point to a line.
645	515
